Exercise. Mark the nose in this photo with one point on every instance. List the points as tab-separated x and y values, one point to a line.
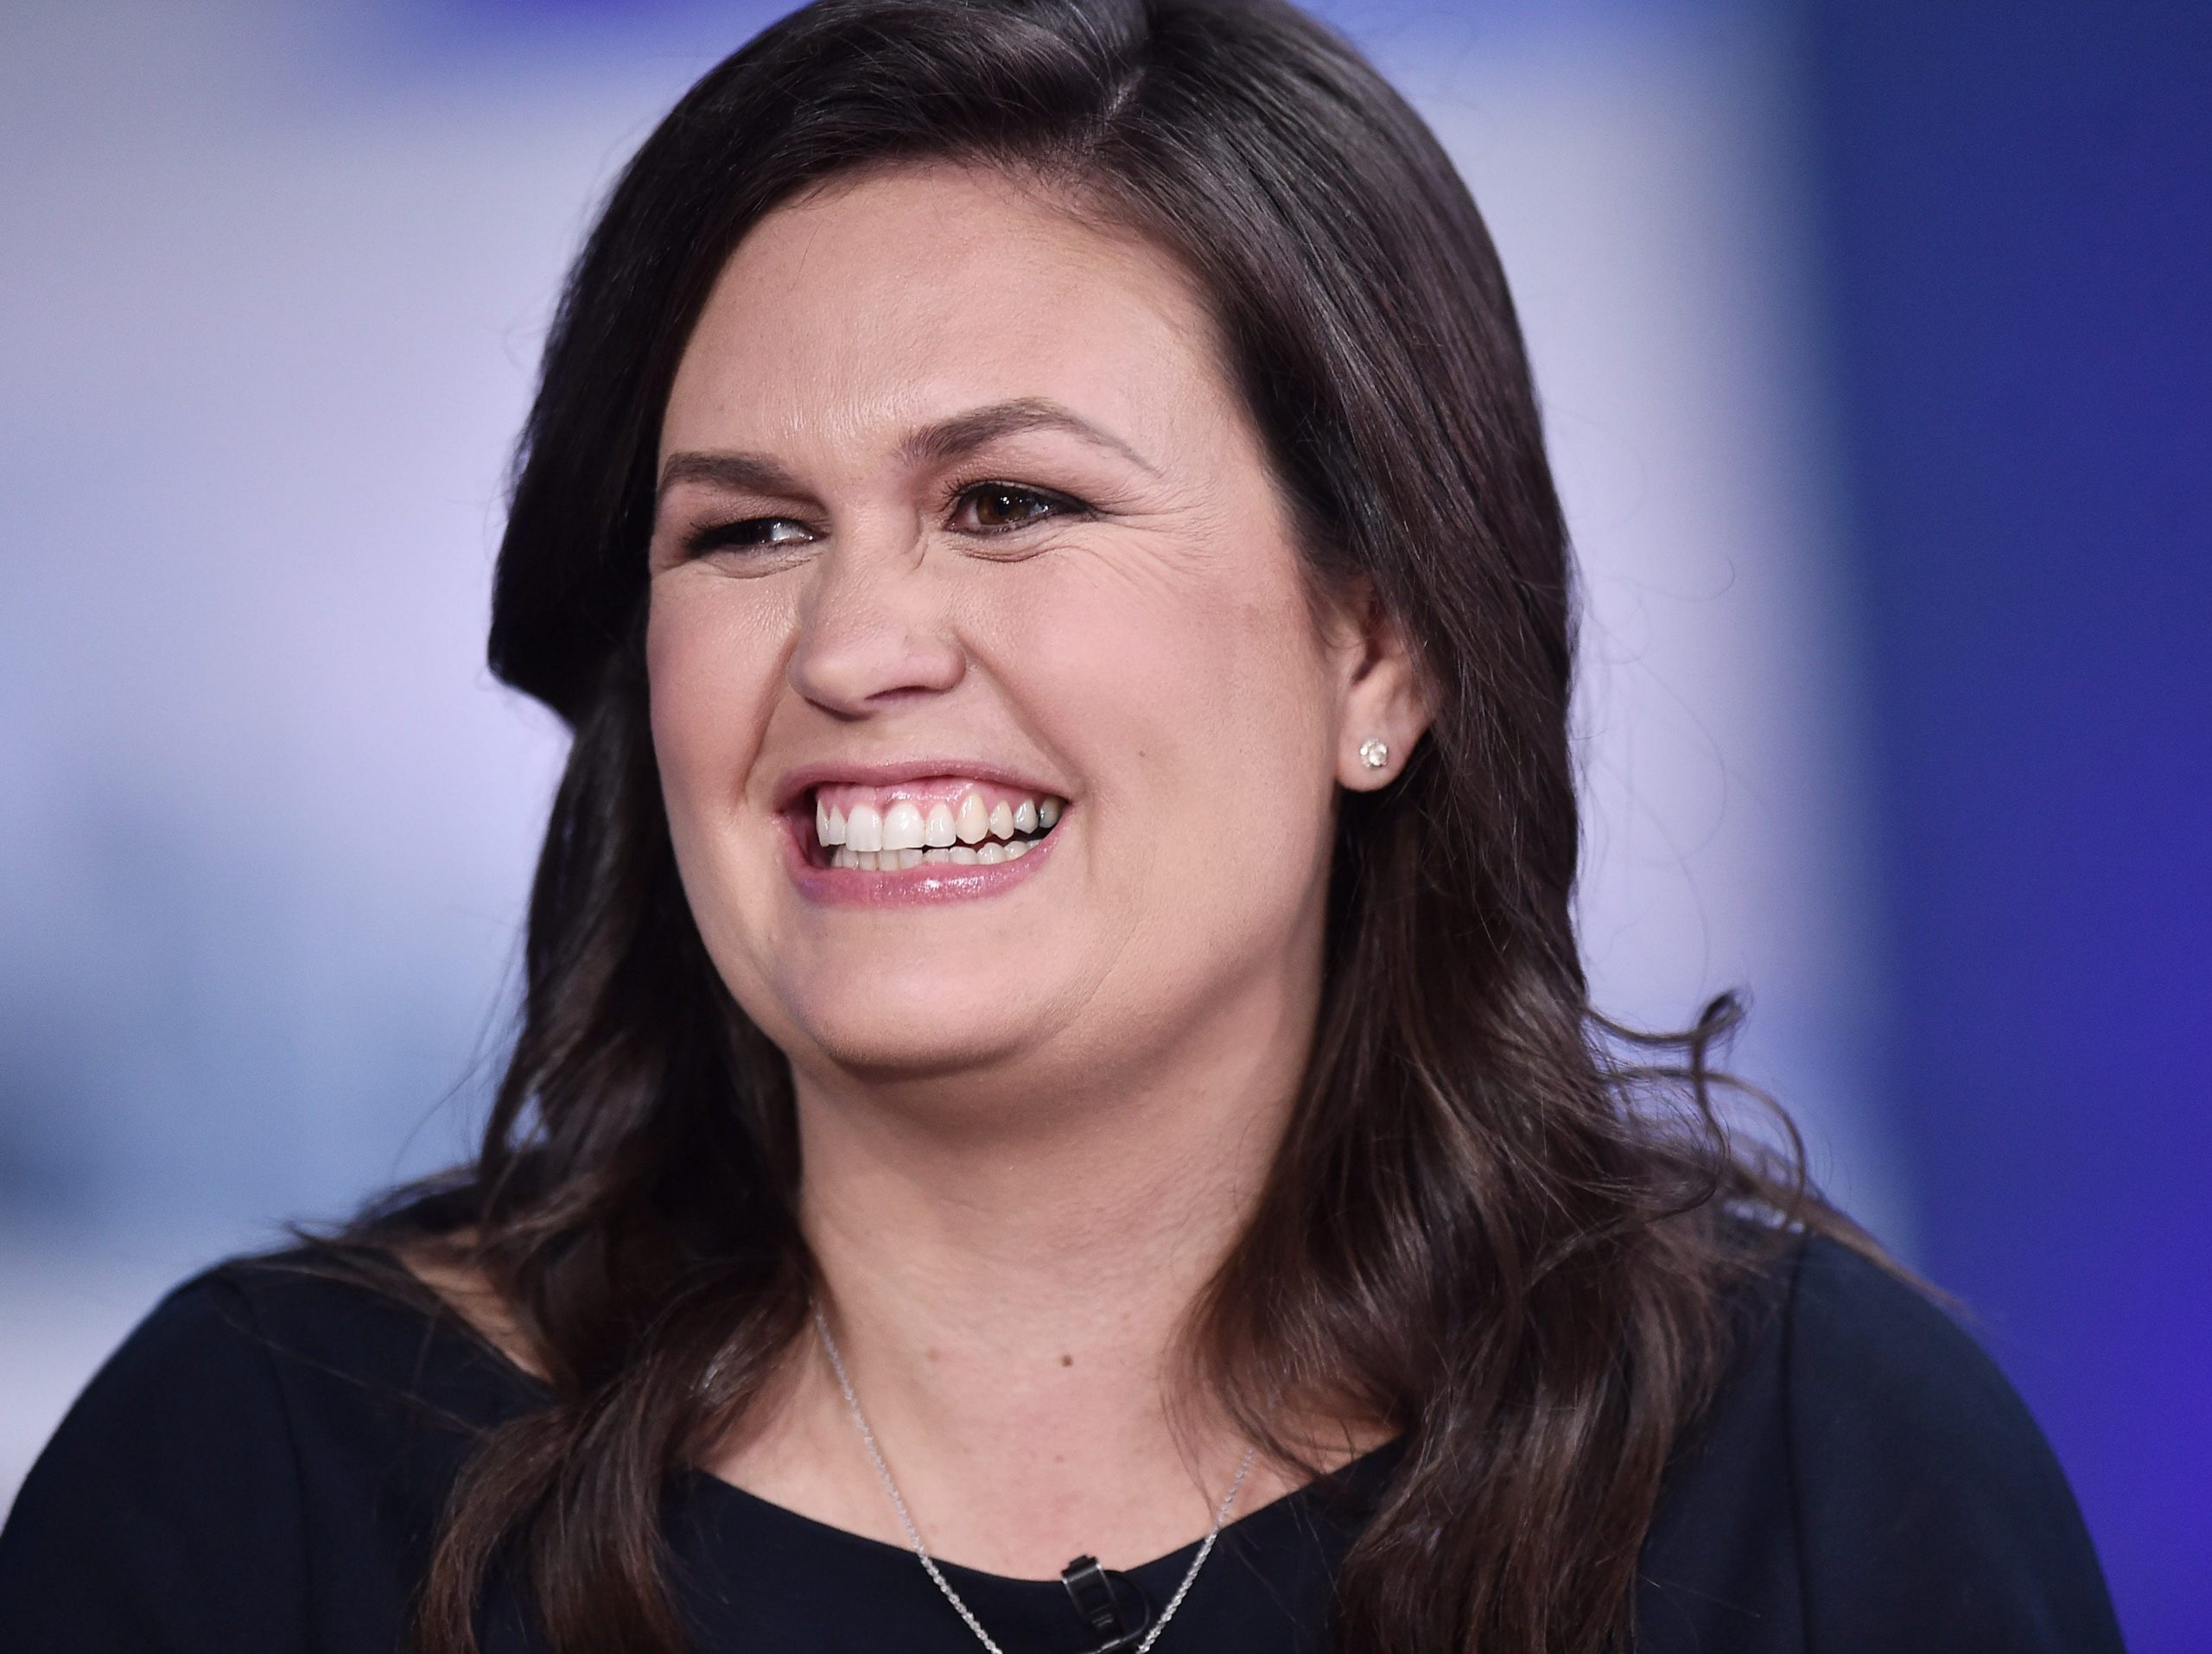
871	632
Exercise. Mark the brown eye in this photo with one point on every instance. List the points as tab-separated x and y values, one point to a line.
751	534
765	531
994	506
775	531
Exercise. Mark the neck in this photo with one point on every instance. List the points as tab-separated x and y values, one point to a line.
1009	1269
1040	1247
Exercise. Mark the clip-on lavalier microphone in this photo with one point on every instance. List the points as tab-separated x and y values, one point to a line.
1099	1605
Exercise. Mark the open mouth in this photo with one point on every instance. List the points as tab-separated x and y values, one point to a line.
950	820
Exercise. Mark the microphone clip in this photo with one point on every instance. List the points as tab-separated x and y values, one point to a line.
1101	1602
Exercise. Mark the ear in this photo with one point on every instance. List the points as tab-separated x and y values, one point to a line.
1384	710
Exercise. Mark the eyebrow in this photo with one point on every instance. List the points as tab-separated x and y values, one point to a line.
946	439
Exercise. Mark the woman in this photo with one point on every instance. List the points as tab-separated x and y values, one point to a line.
1053	1028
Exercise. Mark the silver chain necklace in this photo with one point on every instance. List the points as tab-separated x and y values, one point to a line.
914	1538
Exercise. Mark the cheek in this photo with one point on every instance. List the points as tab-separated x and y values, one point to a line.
1198	706
711	666
686	717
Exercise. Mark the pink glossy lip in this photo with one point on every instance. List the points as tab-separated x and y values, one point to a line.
932	881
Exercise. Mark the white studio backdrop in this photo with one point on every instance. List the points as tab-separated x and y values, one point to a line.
273	278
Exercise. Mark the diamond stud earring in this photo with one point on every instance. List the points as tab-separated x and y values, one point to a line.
1374	752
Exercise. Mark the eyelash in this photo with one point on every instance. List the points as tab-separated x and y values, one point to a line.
718	537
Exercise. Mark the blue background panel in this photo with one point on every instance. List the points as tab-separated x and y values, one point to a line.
2018	204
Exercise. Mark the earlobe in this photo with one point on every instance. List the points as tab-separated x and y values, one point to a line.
1385	712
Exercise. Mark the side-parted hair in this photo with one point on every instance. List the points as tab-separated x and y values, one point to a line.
1498	1223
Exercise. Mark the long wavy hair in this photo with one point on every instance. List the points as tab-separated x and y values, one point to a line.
1498	1222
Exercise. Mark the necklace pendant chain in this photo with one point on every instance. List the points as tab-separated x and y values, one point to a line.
929	1565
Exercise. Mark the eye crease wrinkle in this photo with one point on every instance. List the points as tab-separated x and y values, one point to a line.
940	442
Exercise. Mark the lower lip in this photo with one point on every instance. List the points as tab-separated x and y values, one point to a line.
932	881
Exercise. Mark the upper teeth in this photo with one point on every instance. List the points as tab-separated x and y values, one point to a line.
902	825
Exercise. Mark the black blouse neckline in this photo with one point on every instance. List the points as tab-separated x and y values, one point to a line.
1355	1484
1265	1585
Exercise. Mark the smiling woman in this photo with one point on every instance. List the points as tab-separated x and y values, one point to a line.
917	570
1053	1015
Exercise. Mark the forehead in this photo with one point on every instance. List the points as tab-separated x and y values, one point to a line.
903	294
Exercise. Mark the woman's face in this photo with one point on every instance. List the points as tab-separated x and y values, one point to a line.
994	727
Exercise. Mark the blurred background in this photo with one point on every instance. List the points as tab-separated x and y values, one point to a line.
1874	346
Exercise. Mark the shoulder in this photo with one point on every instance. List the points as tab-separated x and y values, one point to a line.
165	1511
193	1380
1868	1356
312	1330
238	1430
1893	1403
1888	1479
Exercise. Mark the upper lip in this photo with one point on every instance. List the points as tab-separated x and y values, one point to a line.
794	785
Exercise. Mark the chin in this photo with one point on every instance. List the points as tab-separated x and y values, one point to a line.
927	1034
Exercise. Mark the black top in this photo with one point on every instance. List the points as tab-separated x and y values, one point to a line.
261	1464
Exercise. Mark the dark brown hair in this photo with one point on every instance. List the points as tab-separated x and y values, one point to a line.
1498	1222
